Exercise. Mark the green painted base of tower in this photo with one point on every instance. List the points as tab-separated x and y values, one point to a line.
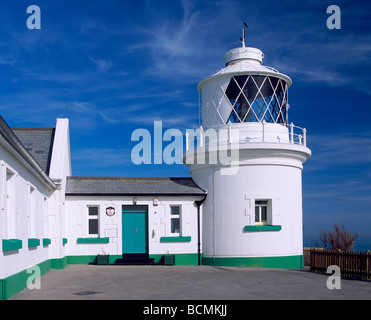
285	262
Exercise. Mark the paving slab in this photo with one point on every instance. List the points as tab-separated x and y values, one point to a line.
92	282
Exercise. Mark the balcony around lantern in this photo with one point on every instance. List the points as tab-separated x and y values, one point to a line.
252	132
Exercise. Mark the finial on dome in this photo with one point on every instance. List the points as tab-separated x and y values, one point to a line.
243	35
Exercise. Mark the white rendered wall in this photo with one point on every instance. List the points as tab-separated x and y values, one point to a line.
60	168
266	171
38	215
24	179
158	224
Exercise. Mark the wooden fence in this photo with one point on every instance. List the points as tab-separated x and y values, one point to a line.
351	264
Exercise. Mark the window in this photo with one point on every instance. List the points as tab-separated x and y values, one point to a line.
93	220
32	213
10	204
261	212
175	219
45	217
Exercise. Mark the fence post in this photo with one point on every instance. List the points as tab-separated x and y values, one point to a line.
229	132
354	264
312	260
201	136
187	140
292	132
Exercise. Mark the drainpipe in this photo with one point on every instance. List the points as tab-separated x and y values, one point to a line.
198	204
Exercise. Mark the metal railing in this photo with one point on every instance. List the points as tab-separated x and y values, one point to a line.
297	138
223	135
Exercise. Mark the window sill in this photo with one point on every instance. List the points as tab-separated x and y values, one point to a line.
33	242
46	241
263	228
12	244
175	239
93	240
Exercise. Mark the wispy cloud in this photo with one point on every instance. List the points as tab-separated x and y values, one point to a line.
102	157
176	47
313	58
340	149
102	65
350	189
10	62
122	116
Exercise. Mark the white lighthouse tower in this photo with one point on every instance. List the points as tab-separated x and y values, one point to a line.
252	215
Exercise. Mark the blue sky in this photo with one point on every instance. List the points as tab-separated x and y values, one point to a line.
124	64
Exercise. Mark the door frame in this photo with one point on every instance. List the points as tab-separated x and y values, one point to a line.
135	208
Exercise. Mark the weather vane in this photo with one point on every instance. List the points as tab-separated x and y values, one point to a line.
243	34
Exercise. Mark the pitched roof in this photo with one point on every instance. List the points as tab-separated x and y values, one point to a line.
131	186
10	137
39	143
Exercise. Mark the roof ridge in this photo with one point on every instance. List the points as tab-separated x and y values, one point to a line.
122	178
140	186
31	129
10	136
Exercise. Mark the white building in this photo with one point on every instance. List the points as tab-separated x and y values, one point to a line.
248	217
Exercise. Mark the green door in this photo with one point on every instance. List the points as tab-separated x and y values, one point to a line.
134	229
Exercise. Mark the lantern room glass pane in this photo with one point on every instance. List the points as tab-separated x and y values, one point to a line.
233	91
256	98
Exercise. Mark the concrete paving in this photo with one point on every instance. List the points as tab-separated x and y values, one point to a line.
92	282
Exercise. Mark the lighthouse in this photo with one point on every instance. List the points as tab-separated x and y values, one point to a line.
252	215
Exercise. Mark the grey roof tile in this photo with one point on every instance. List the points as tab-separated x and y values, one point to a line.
39	143
131	186
10	137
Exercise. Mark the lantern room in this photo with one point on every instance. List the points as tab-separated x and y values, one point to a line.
244	91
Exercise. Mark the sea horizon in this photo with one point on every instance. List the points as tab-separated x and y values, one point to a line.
360	245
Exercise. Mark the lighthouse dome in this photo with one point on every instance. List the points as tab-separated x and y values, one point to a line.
243	54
